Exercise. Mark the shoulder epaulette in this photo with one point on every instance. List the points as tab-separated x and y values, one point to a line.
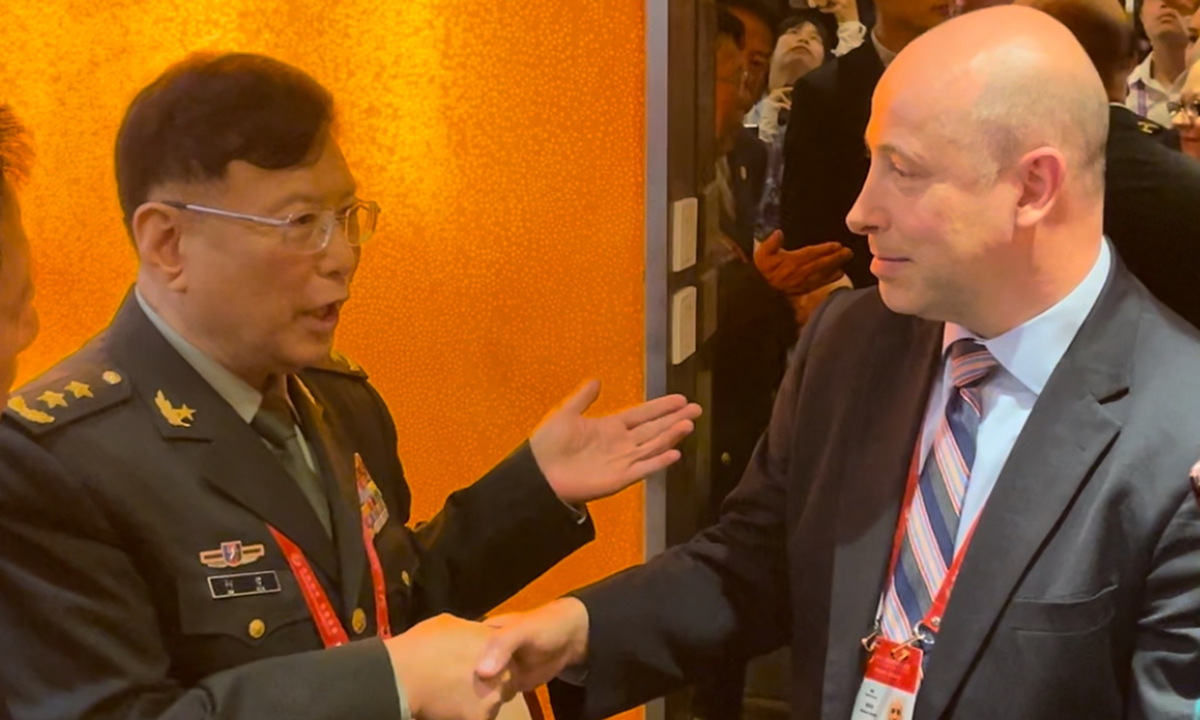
342	365
69	392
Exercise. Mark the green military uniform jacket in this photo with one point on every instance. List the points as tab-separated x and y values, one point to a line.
138	576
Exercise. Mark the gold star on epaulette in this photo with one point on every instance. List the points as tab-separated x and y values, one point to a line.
52	399
80	390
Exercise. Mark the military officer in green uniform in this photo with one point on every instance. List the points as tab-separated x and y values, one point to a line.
202	514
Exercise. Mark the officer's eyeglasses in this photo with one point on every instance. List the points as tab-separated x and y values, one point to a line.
1190	109
310	231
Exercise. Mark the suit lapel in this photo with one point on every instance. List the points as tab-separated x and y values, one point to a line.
905	360
1058	450
337	464
226	452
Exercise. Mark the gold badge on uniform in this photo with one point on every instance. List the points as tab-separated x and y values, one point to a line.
111	378
80	390
232	554
52	399
18	405
374	511
181	416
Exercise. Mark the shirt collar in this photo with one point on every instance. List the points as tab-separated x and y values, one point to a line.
244	399
1031	351
885	55
1143	77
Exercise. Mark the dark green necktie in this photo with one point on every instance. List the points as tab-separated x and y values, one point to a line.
276	422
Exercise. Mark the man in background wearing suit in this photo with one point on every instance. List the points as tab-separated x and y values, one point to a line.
202	513
981	465
825	161
1151	212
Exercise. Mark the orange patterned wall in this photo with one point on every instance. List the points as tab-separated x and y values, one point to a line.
504	140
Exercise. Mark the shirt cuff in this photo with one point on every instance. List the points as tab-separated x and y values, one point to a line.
576	676
580	513
850	35
405	714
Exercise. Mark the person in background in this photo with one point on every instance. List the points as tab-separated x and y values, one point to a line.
1156	81
1151	213
825	163
202	511
847	20
1185	112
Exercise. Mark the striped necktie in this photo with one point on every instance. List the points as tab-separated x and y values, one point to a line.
931	522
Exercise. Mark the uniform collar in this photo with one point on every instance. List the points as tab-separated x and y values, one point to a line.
244	399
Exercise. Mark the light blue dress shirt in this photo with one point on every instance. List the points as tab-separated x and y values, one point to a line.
1027	356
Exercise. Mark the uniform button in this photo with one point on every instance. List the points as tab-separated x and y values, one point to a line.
257	628
406	578
726	459
359	621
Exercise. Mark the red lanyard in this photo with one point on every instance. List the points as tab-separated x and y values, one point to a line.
933	618
329	626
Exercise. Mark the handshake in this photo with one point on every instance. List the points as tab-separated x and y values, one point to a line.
453	669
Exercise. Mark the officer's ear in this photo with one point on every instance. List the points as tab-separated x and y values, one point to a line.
157	232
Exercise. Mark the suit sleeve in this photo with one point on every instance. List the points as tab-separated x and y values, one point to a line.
722	596
80	630
491	539
1166	656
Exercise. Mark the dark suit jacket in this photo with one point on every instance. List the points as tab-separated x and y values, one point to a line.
1152	212
1079	596
105	507
825	157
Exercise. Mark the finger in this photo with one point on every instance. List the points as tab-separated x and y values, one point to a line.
498	653
652	410
813	252
799	274
658	463
583	399
664	441
650	431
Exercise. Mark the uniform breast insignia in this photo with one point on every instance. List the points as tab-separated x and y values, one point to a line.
181	416
222	587
374	510
53	399
232	554
18	405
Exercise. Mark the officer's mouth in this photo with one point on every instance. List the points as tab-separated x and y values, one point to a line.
326	317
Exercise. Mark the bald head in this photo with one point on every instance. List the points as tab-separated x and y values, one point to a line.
1004	81
1104	30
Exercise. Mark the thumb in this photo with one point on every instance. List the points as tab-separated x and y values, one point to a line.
497	654
773	242
583	399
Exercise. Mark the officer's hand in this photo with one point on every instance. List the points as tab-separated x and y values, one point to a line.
535	647
435	662
799	272
590	458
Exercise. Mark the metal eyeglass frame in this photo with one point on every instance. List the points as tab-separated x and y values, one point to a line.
329	219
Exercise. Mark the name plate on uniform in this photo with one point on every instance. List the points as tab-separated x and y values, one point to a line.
243	584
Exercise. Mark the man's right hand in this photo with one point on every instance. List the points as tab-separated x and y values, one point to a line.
535	647
799	272
435	663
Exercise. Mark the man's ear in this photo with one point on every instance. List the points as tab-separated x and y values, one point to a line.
158	235
1041	174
